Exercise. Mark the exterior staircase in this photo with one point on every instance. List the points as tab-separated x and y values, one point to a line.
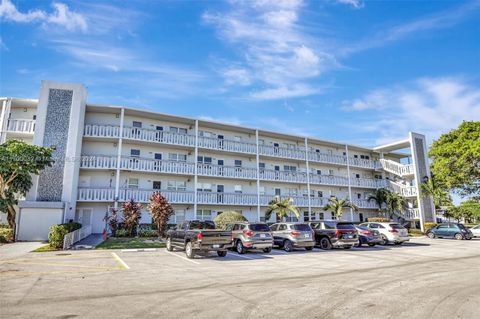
397	168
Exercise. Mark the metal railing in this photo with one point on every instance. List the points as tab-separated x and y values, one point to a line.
76	235
21	126
404	190
397	168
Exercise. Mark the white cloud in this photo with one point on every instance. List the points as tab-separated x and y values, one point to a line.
274	50
354	3
431	106
236	75
61	16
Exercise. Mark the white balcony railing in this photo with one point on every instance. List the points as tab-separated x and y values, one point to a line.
412	213
327	158
361	162
100	130
76	235
397	168
141	134
226	145
159	166
21	126
286	152
226	171
404	190
98	161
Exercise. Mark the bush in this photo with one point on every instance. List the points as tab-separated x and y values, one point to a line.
57	233
428	226
6	235
4	225
122	233
378	220
147	233
222	220
415	232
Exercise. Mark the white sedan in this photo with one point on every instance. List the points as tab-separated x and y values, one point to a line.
475	231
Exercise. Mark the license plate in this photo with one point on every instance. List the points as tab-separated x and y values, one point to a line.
307	235
348	236
263	235
215	246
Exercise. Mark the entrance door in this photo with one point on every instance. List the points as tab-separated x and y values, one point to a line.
220	167
85	216
220	190
220	141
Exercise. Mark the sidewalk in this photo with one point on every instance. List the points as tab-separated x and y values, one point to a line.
18	249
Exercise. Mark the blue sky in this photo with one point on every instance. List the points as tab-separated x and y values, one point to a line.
365	72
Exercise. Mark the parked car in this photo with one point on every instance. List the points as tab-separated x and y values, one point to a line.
334	234
248	236
389	232
196	236
292	235
368	236
475	231
450	230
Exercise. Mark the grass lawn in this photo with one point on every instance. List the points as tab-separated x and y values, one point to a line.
130	243
45	248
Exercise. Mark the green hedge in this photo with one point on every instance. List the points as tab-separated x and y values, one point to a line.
222	220
429	225
147	233
57	233
378	220
4	225
121	233
6	235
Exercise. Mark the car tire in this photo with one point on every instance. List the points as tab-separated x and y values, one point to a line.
430	235
347	247
371	245
189	250
359	245
384	240
398	243
308	248
169	244
458	236
267	250
240	248
325	244
468	238
287	246
221	253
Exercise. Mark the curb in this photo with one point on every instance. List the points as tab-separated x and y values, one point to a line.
138	250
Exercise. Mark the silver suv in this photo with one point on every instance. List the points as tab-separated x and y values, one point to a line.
251	236
293	235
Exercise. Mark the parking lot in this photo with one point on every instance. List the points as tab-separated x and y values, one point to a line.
422	279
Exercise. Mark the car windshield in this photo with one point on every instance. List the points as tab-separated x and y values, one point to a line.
345	226
396	226
315	225
461	226
202	225
301	227
259	227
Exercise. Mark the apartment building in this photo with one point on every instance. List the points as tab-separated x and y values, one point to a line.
105	155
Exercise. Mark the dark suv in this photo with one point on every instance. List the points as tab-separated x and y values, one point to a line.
330	234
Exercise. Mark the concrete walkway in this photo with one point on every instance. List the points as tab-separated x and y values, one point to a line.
18	249
90	242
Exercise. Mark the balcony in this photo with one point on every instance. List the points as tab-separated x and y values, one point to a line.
226	145
21	126
327	158
94	130
397	168
404	190
368	183
226	171
284	152
412	213
141	134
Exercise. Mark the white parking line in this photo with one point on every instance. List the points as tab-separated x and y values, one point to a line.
184	258
122	263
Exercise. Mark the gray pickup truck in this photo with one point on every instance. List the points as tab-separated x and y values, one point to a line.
195	236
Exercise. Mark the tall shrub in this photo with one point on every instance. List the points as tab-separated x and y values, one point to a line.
131	215
160	210
112	222
222	220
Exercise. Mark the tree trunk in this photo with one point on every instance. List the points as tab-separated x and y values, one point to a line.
11	214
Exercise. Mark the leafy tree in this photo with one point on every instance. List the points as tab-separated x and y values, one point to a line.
161	211
472	209
222	220
379	197
337	205
18	162
281	207
456	159
131	215
112	221
457	212
441	197
395	204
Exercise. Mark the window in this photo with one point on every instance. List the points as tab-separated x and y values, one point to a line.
179	215
137	124
355	156
178	130
204	214
261	141
289	168
205	134
332	215
238	163
330	172
159	128
321	216
158	156
357	175
177	157
344	153
362	156
204	160
134	153
292	191
367	157
177	185
157	185
306	217
238	188
261	166
319	172
359	196
320	194
277	191
377	176
204	187
133	183
261	190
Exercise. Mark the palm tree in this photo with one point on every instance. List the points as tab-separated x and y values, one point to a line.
379	197
337	205
281	207
440	196
395	204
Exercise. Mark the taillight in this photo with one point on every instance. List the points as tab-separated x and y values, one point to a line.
231	236
338	233
295	233
248	233
393	230
199	236
366	233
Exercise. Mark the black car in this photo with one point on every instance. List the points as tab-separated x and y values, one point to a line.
368	236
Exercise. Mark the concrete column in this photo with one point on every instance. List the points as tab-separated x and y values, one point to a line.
349	181
308	180
195	170
257	156
119	157
4	119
